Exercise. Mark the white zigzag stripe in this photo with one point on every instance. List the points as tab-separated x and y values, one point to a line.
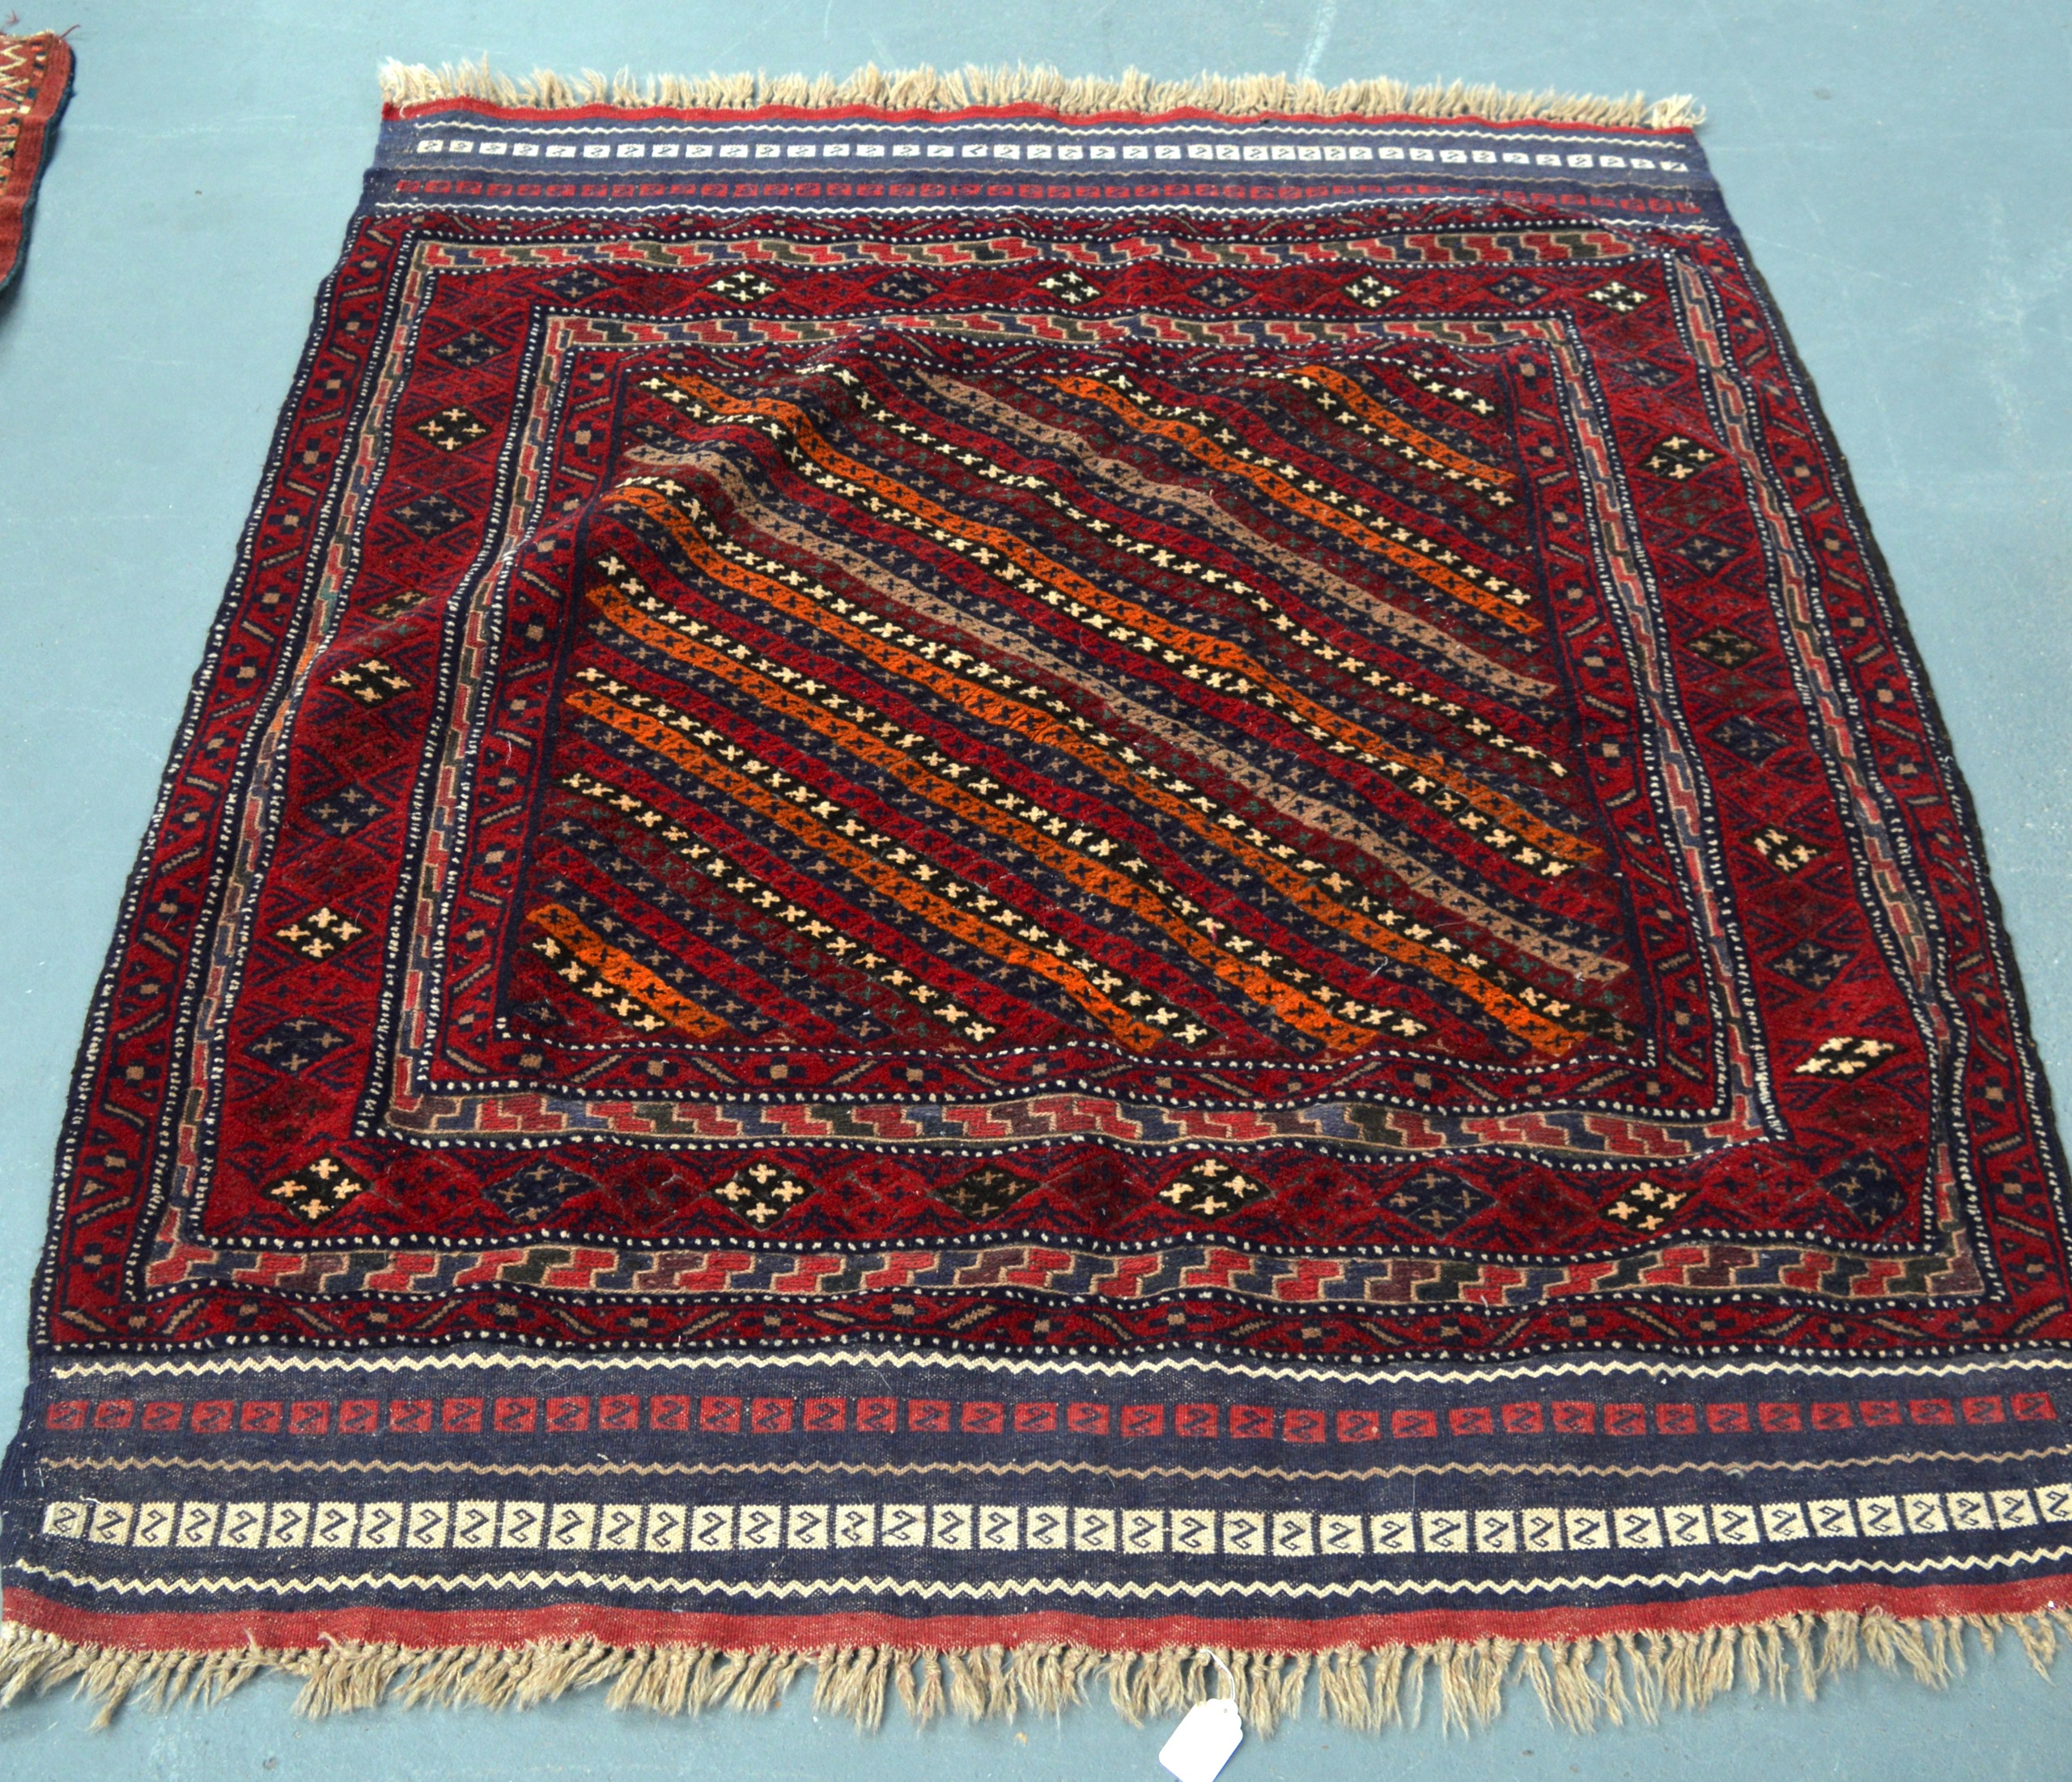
1037	1367
1000	1590
1144	1533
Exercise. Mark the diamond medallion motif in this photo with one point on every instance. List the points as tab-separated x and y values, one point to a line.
429	515
1678	458
1436	1201
469	350
1724	648
1516	288
905	287
1621	298
295	1044
450	429
1222	291
1211	1189
346	811
320	934
762	1194
1645	1208
1069	287
318	1190
986	1192
1810	965
1371	292
579	283
535	1194
741	287
1867	1187
369	683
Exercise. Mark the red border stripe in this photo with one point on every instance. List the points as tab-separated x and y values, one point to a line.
208	1630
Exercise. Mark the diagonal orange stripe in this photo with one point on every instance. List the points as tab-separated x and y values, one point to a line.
1012	713
849	955
1298	1010
1187	565
652	734
626	974
1213	651
1273	483
1374	414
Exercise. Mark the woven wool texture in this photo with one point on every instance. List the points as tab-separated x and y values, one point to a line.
35	80
983	881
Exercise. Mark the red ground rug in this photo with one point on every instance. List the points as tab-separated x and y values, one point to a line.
986	882
35	80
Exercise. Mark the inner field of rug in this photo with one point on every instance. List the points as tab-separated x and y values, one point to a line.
892	715
1184	760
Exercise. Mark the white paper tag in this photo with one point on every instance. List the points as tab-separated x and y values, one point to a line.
1202	1743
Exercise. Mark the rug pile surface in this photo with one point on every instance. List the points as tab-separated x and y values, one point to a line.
35	81
987	882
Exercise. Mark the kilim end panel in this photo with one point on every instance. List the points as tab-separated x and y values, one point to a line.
35	81
971	880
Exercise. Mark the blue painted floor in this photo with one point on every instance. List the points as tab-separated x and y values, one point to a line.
1899	166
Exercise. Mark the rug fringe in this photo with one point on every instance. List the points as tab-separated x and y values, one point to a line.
1580	1684
928	89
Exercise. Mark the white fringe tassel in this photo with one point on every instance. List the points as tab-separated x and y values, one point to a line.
926	89
1582	1683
